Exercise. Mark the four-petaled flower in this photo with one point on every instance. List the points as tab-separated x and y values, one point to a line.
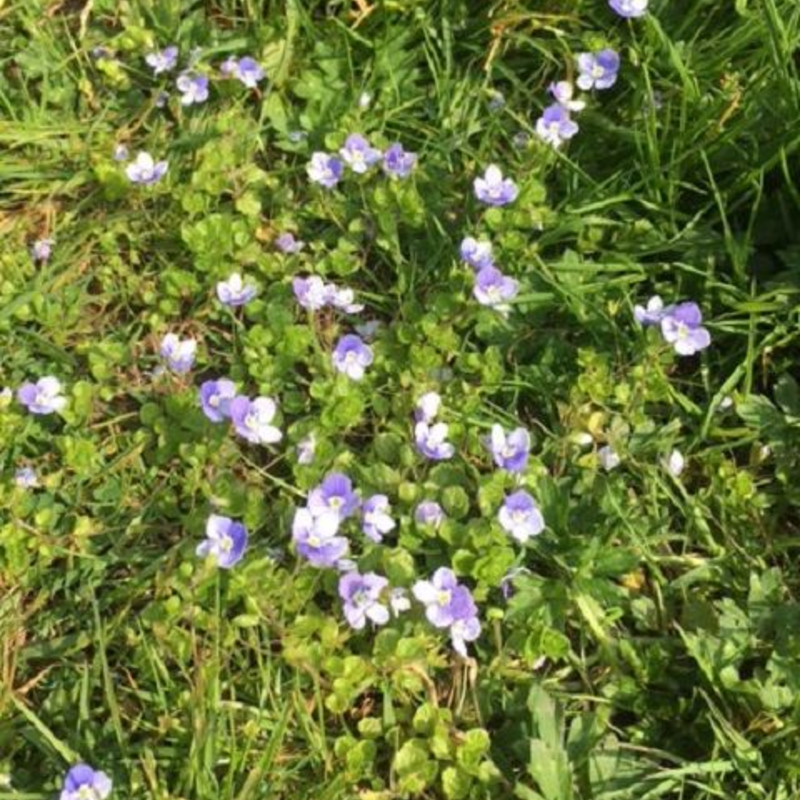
42	397
397	162
311	292
427	407
351	356
520	516
316	540
235	292
41	250
335	495
494	289
162	60
361	599
598	70
429	512
246	70
215	399
359	154
510	451
478	254
324	169
493	189
682	327
563	93
84	783
555	126
226	541
178	353
286	243
376	519
629	9
193	88
252	419
652	313
432	441
144	170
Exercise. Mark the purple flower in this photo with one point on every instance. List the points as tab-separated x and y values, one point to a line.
630	9
429	512
316	540
178	353
246	69
26	478
234	292
312	293
286	243
215	398
305	449
84	783
225	540
351	356
162	61
120	152
608	458
427	407
510	452
682	328
144	170
449	605
555	126
598	70
358	154
335	496
324	169
376	521
520	516
478	254
563	92
431	441
653	313
398	163
193	88
42	397
494	289
493	189
41	250
361	597
252	419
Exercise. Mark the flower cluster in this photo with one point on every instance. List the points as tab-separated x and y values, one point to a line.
251	418
431	440
492	288
314	294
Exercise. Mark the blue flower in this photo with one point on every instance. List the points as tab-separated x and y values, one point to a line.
351	356
225	540
493	189
555	126
358	154
397	162
325	169
162	61
84	783
598	70
193	88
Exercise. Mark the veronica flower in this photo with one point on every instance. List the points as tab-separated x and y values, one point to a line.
144	170
608	458
431	441
397	162
563	93
252	419
358	154
193	88
305	449
493	189
286	243
429	512
316	540
598	70
682	328
675	463
42	397
120	152
376	520
478	254
555	126
162	61
335	495
225	540
178	353
629	8
324	169
520	516
343	299
653	313
351	357
494	289
449	605
246	70
84	783
215	399
312	293
41	250
399	601
234	292
26	478
427	407
361	597
510	451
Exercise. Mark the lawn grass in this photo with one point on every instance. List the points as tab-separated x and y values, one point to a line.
649	647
